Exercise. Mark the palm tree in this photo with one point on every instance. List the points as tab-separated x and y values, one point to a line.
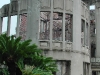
13	51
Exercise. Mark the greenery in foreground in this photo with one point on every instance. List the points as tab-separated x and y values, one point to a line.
24	56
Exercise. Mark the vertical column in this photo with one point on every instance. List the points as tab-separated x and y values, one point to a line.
33	20
84	68
18	19
89	45
51	24
77	25
85	33
64	27
89	35
89	69
76	61
97	29
9	20
1	20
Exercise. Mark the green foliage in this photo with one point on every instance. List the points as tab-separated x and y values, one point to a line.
45	63
4	71
27	70
38	71
12	49
31	70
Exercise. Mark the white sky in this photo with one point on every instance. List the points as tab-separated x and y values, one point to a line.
92	7
13	20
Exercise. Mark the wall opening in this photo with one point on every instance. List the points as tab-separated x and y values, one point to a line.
44	27
13	25
82	32
57	26
63	67
92	7
22	26
85	68
4	25
68	27
87	35
93	49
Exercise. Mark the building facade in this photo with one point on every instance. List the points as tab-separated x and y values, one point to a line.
61	28
95	39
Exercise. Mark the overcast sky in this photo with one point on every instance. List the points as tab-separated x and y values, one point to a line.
13	19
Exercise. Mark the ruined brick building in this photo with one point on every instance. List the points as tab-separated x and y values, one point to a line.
61	28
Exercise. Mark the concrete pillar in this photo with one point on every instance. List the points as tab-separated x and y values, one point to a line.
64	26
18	19
51	24
9	20
8	26
84	69
77	25
85	34
89	69
76	64
76	61
97	29
33	21
1	21
89	45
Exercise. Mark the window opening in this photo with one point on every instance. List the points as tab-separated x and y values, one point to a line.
68	27
44	28
57	26
23	24
82	32
4	25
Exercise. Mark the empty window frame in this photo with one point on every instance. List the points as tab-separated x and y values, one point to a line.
57	26
23	25
68	27
86	68
13	25
82	32
87	35
44	27
92	28
64	67
4	25
93	49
